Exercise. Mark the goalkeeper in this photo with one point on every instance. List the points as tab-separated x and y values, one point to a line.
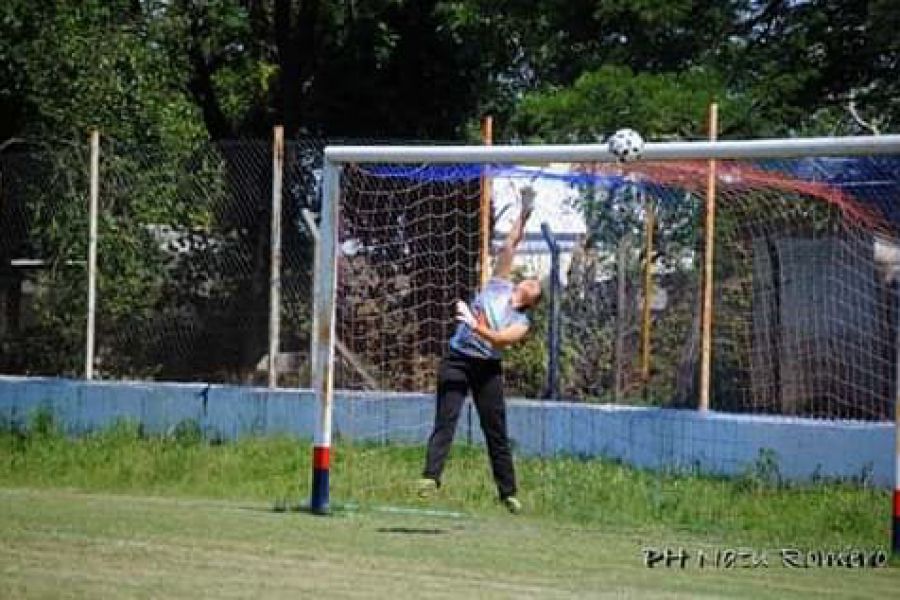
495	320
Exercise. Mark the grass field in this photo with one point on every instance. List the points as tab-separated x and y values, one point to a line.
63	543
120	515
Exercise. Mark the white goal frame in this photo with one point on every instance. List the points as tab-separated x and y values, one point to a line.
325	285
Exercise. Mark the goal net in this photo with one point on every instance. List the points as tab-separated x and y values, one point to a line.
792	257
409	246
804	311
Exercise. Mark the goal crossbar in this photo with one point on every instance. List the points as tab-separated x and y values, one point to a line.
729	149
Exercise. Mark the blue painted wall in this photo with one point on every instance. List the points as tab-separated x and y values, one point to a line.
644	437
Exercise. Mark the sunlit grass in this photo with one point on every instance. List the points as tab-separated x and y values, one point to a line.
751	509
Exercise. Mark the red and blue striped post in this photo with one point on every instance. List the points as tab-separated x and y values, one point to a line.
325	289
321	463
895	537
320	490
895	540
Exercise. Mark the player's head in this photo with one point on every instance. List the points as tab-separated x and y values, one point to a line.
526	294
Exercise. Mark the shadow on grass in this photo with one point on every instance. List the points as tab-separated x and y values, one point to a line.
413	530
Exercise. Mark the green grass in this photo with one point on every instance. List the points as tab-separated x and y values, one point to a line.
118	514
67	544
753	509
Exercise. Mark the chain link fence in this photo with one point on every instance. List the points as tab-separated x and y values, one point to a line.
184	259
804	292
43	245
804	288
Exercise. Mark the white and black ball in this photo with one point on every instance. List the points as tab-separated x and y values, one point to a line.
626	145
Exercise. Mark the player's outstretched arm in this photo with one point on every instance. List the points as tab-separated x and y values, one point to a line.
503	267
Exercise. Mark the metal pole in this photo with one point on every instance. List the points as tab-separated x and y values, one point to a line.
649	226
324	335
310	221
621	316
340	348
553	332
92	255
895	538
708	251
487	138
275	257
732	149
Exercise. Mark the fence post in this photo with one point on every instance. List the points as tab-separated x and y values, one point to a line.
487	137
621	315
275	258
708	253
92	255
552	391
310	221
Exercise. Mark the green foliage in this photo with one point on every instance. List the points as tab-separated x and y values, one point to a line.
167	76
171	71
187	432
96	66
43	424
602	101
607	268
774	68
804	63
525	363
764	473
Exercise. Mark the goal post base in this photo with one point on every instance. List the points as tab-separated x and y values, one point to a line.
318	502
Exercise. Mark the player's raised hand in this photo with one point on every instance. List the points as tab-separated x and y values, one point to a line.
526	201
464	314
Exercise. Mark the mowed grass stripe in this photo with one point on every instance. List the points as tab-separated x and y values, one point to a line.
66	543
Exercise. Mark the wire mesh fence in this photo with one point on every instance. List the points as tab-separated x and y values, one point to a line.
183	261
804	295
804	288
804	307
43	244
605	326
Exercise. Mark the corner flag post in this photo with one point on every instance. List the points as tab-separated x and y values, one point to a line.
323	318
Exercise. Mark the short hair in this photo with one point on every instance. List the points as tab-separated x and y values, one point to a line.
540	291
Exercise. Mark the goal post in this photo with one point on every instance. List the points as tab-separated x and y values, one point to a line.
325	285
338	158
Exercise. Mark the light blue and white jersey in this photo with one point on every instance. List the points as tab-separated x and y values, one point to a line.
494	305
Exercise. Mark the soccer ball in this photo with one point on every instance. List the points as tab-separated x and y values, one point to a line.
626	145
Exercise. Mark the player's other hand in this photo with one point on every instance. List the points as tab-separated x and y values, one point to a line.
464	314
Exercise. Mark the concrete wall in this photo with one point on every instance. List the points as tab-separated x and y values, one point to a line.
644	437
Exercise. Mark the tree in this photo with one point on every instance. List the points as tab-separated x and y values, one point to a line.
164	77
660	106
803	63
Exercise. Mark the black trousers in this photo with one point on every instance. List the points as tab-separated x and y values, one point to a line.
459	374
